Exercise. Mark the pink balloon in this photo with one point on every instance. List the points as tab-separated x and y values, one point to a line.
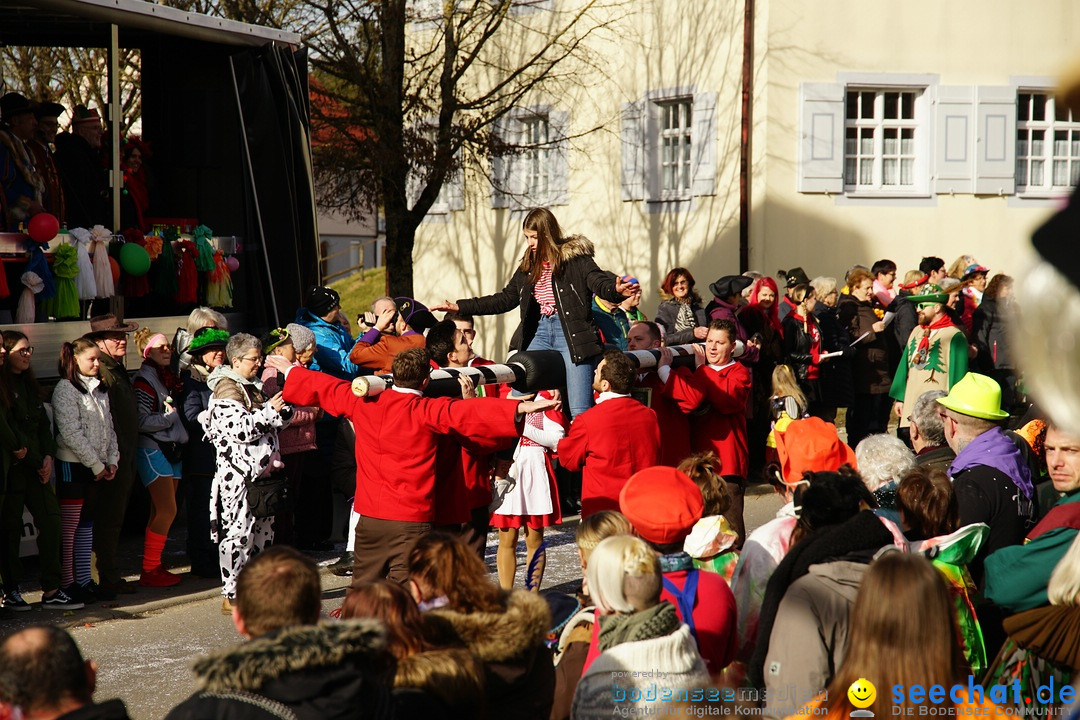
43	227
232	263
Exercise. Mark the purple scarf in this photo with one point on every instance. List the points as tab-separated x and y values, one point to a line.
994	449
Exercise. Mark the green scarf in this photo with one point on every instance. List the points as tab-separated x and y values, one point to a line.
658	621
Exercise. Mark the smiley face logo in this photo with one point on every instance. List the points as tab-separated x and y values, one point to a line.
862	693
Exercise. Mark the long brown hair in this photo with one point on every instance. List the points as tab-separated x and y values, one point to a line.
391	603
11	339
548	237
902	632
68	367
704	469
446	566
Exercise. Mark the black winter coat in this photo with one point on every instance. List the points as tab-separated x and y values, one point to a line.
836	382
578	280
872	374
319	672
988	335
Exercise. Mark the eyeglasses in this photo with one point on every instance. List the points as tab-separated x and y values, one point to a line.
161	348
257	358
26	351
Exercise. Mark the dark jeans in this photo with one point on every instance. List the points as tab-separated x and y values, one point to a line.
25	488
109	510
868	415
285	520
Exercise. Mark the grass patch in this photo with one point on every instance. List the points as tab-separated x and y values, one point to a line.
359	290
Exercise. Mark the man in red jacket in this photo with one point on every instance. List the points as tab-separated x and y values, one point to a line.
397	433
721	388
613	439
674	423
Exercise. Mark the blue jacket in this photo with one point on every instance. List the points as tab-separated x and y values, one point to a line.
334	343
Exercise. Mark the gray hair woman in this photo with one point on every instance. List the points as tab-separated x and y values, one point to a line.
883	459
242	424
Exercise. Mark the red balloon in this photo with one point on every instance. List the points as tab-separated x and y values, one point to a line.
43	227
115	270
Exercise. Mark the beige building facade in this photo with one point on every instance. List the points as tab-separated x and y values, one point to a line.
878	130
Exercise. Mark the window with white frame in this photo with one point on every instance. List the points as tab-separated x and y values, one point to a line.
676	136
880	140
669	146
532	168
1047	145
535	131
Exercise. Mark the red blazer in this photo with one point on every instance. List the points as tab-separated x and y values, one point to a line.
723	395
674	423
609	442
396	439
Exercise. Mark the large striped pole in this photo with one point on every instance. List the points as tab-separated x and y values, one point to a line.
528	371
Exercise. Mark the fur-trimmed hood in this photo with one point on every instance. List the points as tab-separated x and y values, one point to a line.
257	662
495	637
576	246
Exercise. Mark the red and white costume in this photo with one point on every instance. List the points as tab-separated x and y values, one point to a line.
533	499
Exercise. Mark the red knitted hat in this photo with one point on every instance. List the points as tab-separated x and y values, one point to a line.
662	504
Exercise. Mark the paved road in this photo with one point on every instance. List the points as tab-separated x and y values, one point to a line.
144	651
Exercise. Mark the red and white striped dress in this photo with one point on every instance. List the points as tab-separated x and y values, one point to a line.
533	500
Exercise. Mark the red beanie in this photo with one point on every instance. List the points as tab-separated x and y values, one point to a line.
662	504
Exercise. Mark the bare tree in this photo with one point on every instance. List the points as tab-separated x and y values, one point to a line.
411	91
73	76
406	92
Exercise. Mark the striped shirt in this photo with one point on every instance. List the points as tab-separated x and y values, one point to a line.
545	293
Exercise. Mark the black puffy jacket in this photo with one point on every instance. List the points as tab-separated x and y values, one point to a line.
577	281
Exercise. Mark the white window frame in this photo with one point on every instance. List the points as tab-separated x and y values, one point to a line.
674	147
537	173
878	126
1049	125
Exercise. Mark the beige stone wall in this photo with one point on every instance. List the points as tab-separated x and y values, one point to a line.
680	43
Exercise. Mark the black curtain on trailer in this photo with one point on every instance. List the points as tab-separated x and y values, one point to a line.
272	89
192	121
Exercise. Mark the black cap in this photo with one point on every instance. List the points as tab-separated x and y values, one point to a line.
14	104
730	285
49	109
322	299
795	276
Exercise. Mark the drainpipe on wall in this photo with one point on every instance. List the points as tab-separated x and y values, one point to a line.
746	130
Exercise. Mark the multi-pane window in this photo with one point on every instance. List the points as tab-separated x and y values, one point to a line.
535	158
1047	144
880	130
676	121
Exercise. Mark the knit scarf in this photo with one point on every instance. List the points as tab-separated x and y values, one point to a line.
172	382
656	622
222	372
923	349
685	319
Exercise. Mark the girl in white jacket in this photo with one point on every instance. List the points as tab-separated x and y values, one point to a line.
87	454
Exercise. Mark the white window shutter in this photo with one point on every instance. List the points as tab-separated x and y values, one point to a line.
633	150
500	167
995	140
821	138
559	158
954	128
515	181
703	138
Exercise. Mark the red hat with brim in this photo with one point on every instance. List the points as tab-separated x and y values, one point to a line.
811	445
662	504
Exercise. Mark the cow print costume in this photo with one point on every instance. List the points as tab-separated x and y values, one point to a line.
243	430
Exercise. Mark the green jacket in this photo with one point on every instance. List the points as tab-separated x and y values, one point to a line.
125	413
1017	576
25	425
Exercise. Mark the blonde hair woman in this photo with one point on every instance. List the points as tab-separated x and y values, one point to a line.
638	632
